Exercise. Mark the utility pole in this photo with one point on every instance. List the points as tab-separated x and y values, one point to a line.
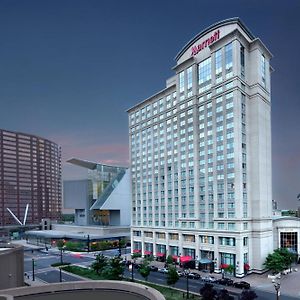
88	243
60	275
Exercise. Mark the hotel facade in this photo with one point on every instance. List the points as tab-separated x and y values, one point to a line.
200	154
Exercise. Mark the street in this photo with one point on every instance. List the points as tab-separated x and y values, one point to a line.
44	272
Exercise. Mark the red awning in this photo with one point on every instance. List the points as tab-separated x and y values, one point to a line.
224	266
137	250
184	259
159	254
147	252
175	257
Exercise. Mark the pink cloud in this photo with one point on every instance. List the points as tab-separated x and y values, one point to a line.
84	146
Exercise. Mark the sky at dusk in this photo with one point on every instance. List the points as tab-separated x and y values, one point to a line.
69	70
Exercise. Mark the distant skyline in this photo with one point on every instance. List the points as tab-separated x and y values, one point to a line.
70	69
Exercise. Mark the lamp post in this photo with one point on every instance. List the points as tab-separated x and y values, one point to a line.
60	275
132	267
88	243
277	288
187	283
33	275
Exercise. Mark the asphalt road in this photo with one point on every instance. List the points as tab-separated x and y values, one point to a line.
46	273
196	284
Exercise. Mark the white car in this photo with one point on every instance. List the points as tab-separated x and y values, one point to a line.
209	279
163	270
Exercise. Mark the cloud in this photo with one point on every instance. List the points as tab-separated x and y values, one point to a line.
92	147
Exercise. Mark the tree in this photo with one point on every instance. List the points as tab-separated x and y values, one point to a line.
172	276
169	260
230	269
208	292
136	255
248	295
114	270
99	264
60	245
287	255
145	269
279	260
224	295
275	262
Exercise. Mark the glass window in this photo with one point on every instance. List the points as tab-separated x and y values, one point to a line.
242	54
263	70
181	82
228	57
221	225
189	78
204	73
289	240
218	60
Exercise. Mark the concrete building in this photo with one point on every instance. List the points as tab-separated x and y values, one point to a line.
95	289
200	154
101	197
30	174
12	266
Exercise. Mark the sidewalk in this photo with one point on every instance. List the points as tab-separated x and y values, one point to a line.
24	244
36	282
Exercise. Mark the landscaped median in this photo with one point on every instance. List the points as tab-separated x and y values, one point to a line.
169	293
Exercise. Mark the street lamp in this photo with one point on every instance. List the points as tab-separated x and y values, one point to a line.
88	243
187	272
33	263
131	267
277	288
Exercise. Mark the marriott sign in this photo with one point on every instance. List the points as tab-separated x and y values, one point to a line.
196	49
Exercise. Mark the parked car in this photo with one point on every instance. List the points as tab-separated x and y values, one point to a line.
194	275
209	279
242	285
153	268
163	270
225	281
180	273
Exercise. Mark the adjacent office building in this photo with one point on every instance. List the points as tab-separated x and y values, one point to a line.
201	154
30	176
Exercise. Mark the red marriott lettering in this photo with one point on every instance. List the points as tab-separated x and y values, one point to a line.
196	49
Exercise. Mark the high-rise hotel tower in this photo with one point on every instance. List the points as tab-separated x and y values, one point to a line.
201	155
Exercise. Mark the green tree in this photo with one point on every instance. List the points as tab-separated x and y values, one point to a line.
136	255
149	258
145	269
275	262
208	292
279	260
99	264
60	245
114	270
287	255
122	243
172	276
230	269
169	260
248	295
